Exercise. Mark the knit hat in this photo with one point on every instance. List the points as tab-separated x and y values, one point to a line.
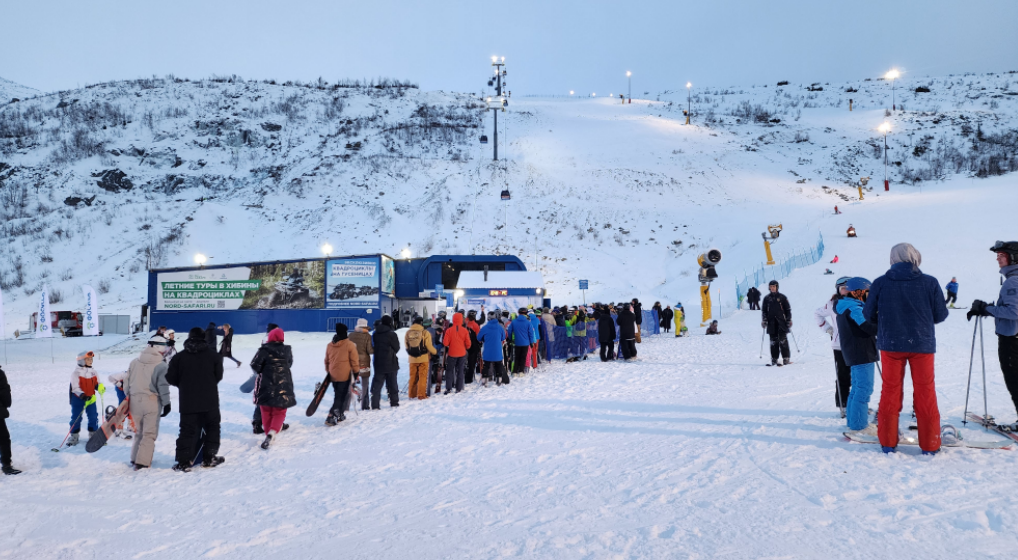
427	323
387	320
196	333
277	333
341	331
905	252
362	323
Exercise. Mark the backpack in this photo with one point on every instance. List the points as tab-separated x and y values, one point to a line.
473	339
415	343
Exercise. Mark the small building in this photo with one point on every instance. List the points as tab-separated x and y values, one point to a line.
500	290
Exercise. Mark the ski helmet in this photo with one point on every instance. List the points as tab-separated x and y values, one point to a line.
773	283
841	281
857	283
1009	247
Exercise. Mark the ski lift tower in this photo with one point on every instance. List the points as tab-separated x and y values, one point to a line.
500	100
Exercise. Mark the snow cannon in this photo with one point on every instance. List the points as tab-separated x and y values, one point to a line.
770	236
707	262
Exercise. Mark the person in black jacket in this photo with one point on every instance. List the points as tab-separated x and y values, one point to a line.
5	436
196	373
274	386
226	349
638	313
210	336
605	334
386	343
753	297
777	319
627	332
666	318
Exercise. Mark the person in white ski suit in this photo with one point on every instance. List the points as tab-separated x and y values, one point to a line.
149	394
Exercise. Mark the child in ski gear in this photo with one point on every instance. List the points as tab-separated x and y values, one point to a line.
713	328
952	292
362	339
419	351
859	348
457	340
149	393
680	317
82	395
274	386
386	344
342	363
1005	315
777	319
906	304
827	319
492	337
5	436
196	373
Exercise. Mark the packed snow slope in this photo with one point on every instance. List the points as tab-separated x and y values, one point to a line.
9	91
101	183
694	451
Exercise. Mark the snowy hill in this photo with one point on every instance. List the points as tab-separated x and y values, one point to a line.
100	183
10	91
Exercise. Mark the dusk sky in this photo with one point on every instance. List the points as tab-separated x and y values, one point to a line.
550	47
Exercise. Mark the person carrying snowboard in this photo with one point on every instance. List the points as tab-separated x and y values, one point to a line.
149	393
274	387
952	292
83	392
5	436
859	348
1005	317
777	319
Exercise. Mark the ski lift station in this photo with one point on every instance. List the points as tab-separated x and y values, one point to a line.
312	295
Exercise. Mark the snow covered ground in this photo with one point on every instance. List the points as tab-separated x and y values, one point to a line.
694	451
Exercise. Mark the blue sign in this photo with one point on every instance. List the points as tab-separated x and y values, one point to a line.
583	284
449	300
440	288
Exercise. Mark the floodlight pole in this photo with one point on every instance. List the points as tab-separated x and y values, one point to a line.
498	93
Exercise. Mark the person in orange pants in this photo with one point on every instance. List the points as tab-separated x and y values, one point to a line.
906	304
420	350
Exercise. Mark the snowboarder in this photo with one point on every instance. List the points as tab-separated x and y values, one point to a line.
149	393
274	386
850	231
835	260
1005	316
457	341
196	373
713	328
906	304
386	345
362	338
753	297
859	348
342	363
5	436
83	392
827	319
777	319
419	350
952	292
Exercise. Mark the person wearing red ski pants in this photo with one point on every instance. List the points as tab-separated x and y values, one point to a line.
925	398
273	417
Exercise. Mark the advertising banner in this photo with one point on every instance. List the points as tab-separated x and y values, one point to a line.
43	327
388	276
293	285
90	317
354	282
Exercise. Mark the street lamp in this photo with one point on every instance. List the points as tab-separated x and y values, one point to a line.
200	259
405	253
327	250
885	128
571	92
891	75
689	102
629	76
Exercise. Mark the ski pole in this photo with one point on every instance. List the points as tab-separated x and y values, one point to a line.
982	359
763	332
57	448
837	389
794	341
968	387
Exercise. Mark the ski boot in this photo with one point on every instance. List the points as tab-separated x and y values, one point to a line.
1009	428
285	427
9	470
330	420
211	462
786	361
257	428
267	442
73	440
180	467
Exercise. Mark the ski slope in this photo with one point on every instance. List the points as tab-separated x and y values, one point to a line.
694	451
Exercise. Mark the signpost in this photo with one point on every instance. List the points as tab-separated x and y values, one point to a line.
583	287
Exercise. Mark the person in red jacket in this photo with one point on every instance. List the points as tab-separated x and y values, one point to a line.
457	341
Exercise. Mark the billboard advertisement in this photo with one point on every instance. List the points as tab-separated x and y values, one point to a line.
388	276
354	282
294	285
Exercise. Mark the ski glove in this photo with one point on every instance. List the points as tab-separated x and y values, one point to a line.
789	324
89	401
101	389
166	411
763	324
978	310
829	331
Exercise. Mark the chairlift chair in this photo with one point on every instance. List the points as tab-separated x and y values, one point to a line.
505	194
484	139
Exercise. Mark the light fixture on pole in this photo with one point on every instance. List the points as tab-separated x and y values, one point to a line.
200	259
327	250
885	128
891	75
629	76
571	92
689	100
405	253
500	100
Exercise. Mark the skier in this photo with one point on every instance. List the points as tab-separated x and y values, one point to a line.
492	338
1005	316
777	319
858	346
149	393
82	394
827	319
5	436
419	350
386	344
753	297
457	341
362	339
196	373
906	304
519	332
713	328
627	332
342	363
952	292
535	338
606	335
435	365
226	349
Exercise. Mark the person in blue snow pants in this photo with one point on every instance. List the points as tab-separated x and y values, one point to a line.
859	348
857	413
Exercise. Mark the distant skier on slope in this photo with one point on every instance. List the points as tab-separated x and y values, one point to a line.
777	319
952	292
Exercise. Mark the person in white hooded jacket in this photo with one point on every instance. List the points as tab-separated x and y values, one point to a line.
827	319
149	394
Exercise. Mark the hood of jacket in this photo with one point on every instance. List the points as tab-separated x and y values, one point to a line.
150	355
903	272
275	349
195	345
383	328
457	319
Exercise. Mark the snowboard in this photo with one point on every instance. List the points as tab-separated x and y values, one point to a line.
248	385
859	438
108	428
319	394
989	424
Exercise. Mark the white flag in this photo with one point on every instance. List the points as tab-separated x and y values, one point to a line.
90	318
43	327
3	329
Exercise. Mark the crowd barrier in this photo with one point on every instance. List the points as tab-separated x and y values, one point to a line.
780	270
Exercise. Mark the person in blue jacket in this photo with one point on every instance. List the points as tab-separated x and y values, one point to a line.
492	337
906	304
1005	316
952	292
859	350
520	332
535	337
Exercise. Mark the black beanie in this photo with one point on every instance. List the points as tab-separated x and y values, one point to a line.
196	332
340	332
387	320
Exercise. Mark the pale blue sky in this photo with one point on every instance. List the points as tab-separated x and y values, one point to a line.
551	47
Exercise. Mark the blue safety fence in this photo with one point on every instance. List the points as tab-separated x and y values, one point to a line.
781	269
